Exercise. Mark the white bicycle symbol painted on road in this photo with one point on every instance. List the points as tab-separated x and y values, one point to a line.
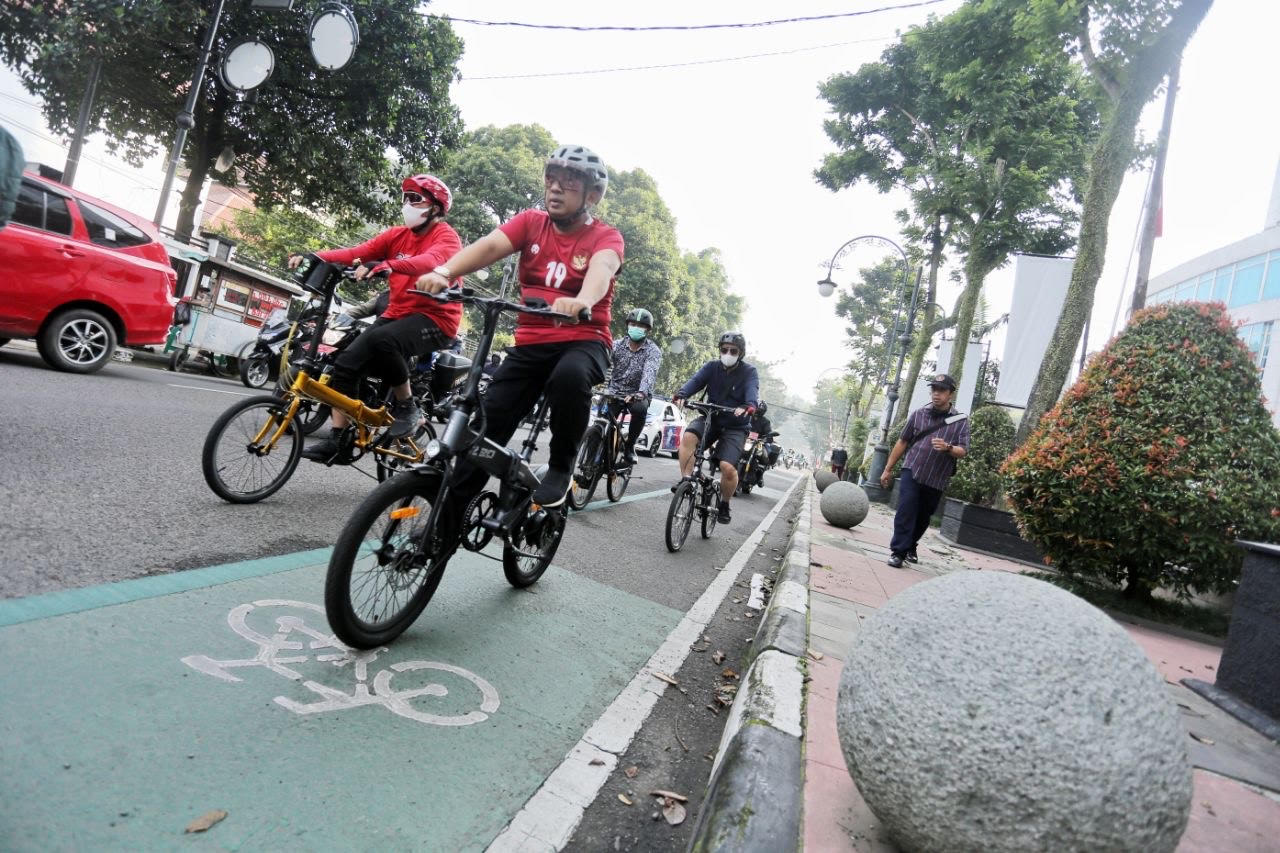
270	657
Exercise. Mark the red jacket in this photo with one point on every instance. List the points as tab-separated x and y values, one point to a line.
409	255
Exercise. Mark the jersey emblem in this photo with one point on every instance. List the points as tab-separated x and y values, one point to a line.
533	250
579	262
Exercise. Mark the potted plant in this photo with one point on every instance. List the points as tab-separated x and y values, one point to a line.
1156	461
974	513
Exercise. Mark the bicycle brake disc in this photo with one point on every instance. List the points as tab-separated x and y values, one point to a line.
482	506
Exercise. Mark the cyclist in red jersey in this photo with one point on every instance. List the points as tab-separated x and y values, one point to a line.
412	325
571	260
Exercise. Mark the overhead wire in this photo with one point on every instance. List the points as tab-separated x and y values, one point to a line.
692	27
673	64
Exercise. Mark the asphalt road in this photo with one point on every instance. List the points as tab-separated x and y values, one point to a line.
102	482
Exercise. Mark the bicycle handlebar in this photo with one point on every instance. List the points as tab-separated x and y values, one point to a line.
710	407
467	295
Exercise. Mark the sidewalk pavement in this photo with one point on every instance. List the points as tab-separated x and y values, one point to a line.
1236	799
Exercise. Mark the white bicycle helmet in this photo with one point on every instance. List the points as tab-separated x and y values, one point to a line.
579	158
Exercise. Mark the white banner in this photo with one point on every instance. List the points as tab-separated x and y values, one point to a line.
1039	288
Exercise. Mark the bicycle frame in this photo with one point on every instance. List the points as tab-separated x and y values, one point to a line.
322	279
460	442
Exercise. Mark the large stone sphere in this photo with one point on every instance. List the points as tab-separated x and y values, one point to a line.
990	711
844	504
824	479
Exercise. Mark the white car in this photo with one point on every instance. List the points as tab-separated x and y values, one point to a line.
663	429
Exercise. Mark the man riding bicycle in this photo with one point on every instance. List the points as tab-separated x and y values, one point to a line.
729	381
411	326
571	260
636	360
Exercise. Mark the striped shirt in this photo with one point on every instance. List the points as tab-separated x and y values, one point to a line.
929	467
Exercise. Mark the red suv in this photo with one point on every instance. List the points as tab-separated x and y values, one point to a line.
80	276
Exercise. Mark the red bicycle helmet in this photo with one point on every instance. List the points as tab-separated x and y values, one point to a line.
430	186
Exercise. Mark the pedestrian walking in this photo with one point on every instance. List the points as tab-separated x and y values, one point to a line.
933	439
839	459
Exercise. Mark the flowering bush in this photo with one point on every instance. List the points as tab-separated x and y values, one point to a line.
1156	460
977	478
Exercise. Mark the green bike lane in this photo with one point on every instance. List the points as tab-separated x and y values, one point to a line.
126	711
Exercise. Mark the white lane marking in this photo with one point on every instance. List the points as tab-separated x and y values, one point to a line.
554	811
214	390
756	601
309	639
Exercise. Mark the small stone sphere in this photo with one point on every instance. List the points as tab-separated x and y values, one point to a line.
991	711
824	479
844	504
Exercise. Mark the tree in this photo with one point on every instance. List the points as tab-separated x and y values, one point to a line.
306	136
1138	42
985	128
1122	482
495	173
871	308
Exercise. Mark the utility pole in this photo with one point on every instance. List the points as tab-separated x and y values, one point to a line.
1155	199
82	123
187	118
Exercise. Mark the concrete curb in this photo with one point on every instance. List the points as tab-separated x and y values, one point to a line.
756	792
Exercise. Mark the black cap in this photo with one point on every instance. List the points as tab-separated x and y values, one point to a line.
942	380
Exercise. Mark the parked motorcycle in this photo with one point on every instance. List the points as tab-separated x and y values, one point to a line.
262	364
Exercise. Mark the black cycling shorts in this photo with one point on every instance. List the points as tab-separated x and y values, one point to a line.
728	441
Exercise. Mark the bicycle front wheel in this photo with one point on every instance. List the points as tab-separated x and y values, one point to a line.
709	509
680	515
380	576
238	468
586	473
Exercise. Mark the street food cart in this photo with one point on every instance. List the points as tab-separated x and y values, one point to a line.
226	302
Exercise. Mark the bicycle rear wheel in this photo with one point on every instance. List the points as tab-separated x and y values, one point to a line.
528	551
237	469
586	473
680	515
709	508
380	578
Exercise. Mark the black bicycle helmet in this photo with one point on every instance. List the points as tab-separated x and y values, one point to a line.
737	339
640	317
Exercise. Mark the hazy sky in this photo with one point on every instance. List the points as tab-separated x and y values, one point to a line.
732	145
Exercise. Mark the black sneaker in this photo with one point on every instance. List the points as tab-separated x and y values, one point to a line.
912	557
408	417
629	458
723	516
895	560
324	449
677	484
553	488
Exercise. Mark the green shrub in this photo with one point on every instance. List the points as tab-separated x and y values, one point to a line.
977	478
1156	460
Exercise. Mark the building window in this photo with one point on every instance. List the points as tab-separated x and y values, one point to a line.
1271	284
1248	282
1160	296
1221	286
1257	337
1204	289
1185	291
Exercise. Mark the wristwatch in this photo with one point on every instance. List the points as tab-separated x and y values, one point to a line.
444	272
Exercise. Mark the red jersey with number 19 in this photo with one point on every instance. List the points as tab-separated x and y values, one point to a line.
553	265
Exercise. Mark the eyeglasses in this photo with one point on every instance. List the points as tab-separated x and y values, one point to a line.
414	198
728	350
568	181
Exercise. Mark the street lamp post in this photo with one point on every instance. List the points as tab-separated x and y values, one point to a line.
900	338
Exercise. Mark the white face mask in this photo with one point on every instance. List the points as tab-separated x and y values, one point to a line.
414	216
728	360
